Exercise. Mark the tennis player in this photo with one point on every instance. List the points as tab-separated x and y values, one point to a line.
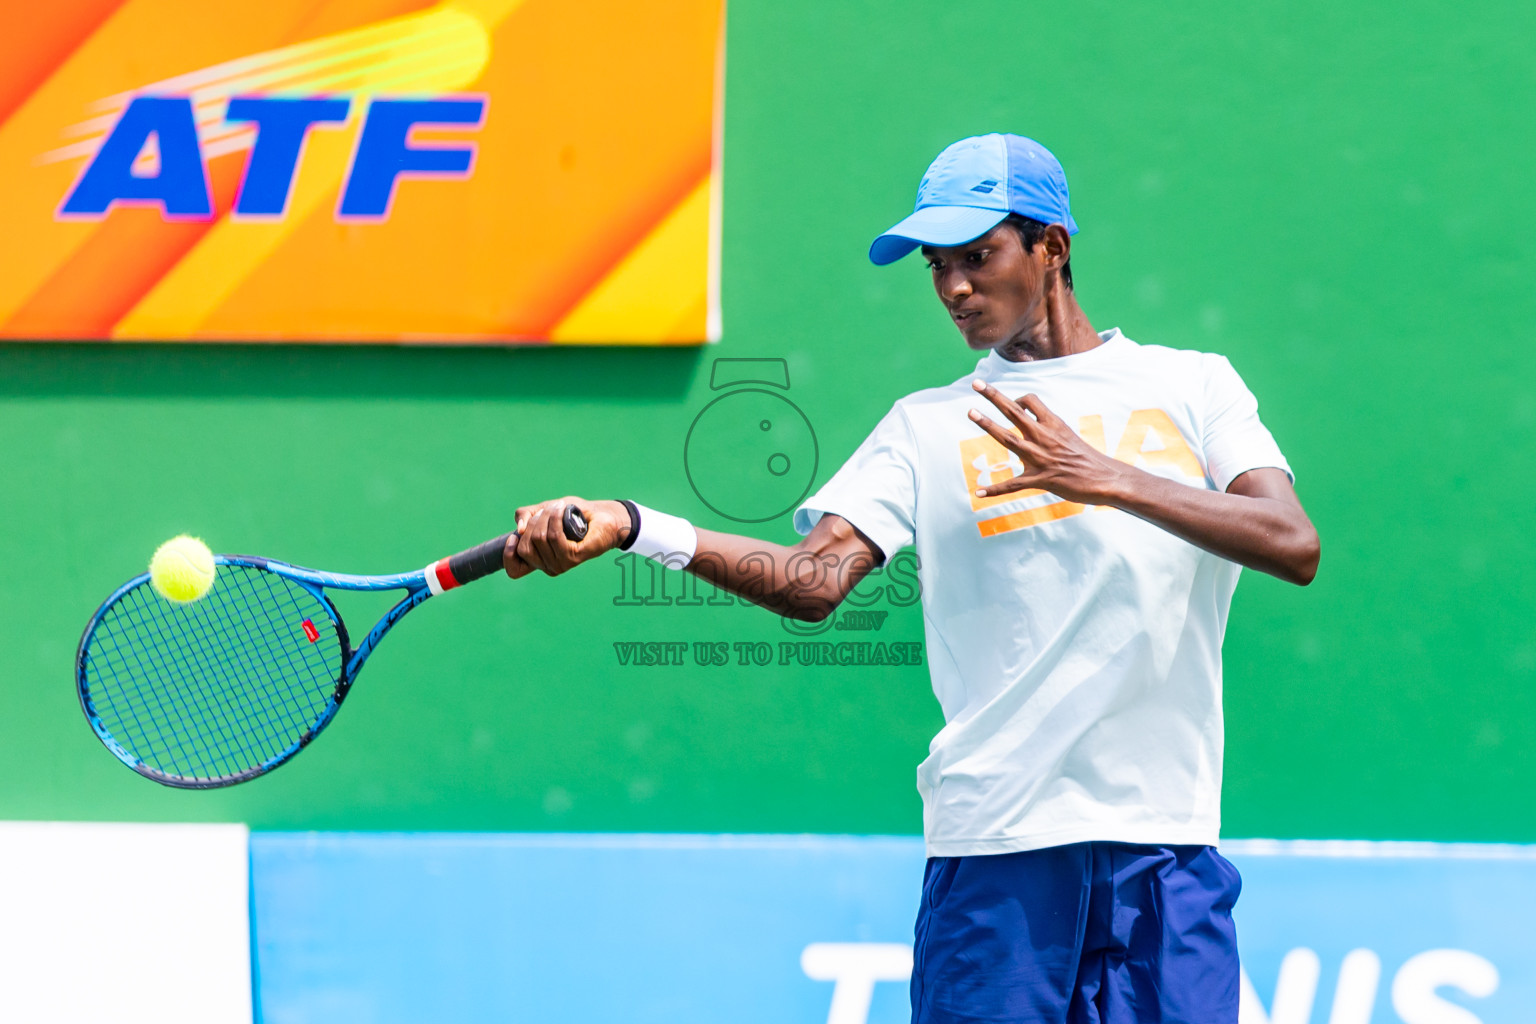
1081	506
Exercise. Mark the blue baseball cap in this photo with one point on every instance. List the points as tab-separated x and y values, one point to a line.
972	186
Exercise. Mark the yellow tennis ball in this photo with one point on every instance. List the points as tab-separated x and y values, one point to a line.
182	569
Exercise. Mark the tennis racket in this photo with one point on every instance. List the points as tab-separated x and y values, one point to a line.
228	687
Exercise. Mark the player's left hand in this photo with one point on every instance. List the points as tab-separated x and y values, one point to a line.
1055	458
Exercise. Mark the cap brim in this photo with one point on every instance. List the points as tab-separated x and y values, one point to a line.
934	225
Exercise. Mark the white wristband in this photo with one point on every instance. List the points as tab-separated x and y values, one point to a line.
670	540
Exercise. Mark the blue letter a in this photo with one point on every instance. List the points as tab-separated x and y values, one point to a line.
181	187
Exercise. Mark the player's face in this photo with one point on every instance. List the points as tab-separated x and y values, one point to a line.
991	286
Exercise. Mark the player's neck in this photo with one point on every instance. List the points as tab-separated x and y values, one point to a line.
1063	330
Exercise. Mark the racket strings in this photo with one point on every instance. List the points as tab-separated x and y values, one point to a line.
179	695
156	703
218	687
223	729
153	709
178	730
212	726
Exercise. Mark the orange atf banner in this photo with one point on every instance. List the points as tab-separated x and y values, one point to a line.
360	170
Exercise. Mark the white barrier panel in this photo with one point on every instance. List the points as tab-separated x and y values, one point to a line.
124	924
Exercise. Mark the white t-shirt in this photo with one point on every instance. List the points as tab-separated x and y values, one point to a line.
1075	651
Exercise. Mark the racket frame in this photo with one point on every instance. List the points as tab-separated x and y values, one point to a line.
441	575
316	583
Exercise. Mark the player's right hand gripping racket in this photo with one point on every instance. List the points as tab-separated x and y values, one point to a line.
228	687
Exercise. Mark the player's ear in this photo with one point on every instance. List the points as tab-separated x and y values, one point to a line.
1057	246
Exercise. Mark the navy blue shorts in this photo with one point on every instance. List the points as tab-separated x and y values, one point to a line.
1092	933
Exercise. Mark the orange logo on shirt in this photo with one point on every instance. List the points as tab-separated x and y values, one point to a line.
1150	441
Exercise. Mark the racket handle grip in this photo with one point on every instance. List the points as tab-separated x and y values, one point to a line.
484	559
479	561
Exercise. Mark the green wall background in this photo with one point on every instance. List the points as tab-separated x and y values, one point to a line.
1335	196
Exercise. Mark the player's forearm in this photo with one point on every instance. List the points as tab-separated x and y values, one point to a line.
807	580
804	581
1256	531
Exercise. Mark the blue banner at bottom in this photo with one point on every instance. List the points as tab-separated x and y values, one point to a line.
360	928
